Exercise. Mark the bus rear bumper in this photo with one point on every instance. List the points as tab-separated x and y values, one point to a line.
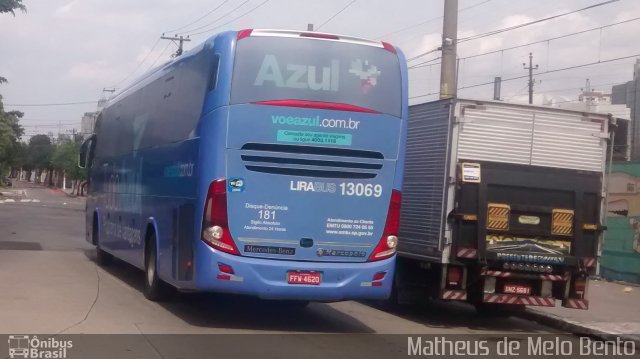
268	279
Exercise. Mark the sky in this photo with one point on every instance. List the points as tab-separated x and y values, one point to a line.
68	51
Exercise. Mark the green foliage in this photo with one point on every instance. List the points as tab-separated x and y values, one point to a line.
11	6
10	130
65	158
39	151
10	133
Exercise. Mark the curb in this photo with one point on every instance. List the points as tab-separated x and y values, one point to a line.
573	327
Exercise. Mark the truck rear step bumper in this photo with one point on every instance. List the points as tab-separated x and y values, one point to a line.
519	299
542	276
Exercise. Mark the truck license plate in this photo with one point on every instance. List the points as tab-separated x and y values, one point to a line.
312	278
517	289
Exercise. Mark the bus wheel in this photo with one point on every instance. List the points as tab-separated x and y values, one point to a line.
154	288
102	258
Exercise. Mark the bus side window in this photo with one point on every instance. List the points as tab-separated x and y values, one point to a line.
215	67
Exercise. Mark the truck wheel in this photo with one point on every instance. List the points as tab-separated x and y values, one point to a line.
498	310
102	258
154	288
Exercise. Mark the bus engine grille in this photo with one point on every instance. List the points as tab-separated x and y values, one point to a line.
309	161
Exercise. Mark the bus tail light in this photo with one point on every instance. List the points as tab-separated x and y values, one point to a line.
387	46
215	223
389	241
243	33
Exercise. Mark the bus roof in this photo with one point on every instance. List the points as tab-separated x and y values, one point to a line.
314	35
149	75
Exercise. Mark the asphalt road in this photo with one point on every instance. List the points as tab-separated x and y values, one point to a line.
50	284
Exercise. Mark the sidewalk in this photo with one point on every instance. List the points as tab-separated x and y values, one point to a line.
68	191
614	310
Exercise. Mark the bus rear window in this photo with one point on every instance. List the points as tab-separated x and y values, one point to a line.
278	68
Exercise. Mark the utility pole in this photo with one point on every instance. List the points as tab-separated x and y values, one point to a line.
181	40
497	85
448	85
530	68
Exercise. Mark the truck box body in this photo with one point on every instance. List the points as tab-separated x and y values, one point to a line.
507	188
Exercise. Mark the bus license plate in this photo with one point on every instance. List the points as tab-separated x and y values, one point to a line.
312	278
517	289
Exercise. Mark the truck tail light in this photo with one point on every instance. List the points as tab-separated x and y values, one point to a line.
387	245
498	216
562	222
580	287
215	224
454	276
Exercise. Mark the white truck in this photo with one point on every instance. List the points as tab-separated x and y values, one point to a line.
502	204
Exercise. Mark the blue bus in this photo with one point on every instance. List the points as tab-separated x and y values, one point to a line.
262	162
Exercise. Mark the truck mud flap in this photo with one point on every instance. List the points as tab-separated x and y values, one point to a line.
447	294
576	304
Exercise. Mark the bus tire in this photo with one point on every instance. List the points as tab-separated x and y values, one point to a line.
155	289
102	258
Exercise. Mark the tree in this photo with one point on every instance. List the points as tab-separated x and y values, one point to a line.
11	6
10	130
10	133
39	153
65	158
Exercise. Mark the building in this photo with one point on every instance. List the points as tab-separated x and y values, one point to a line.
88	122
627	94
600	102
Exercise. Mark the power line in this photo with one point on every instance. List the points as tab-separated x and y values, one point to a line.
200	18
539	73
517	93
534	42
494	32
423	54
67	124
139	63
581	87
551	38
159	56
336	14
180	39
426	63
555	70
191	32
234	19
429	20
50	104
